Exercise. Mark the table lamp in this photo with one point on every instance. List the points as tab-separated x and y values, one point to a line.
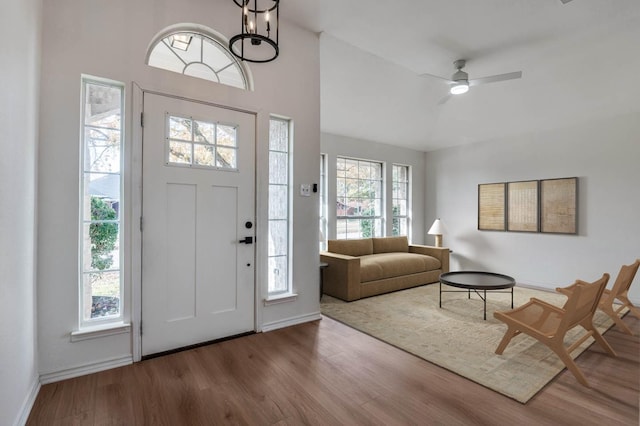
437	229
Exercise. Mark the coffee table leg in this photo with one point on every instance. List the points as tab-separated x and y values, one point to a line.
511	297
485	305
440	299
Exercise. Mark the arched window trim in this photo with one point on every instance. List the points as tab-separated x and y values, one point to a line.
206	32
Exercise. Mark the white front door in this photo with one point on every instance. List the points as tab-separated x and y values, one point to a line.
198	200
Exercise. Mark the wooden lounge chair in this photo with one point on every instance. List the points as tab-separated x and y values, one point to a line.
619	291
549	323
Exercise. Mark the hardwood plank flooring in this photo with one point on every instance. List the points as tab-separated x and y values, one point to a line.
325	373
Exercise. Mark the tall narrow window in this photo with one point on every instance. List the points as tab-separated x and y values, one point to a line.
279	206
323	202
101	206
400	199
358	199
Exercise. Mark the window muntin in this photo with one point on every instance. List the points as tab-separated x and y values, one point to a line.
358	198
279	280
199	143
400	200
101	203
198	55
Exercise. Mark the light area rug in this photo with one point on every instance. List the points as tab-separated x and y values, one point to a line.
457	338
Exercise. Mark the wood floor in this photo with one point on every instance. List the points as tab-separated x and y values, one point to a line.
326	373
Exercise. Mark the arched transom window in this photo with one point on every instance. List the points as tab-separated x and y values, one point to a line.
200	55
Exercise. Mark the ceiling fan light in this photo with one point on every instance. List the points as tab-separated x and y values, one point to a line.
459	88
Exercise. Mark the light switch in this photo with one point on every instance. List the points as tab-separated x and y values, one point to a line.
305	190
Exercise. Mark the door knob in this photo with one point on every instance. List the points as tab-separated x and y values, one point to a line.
247	240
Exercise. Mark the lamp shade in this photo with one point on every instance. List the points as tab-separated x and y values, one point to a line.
437	228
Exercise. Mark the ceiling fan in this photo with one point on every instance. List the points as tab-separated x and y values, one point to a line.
460	82
565	1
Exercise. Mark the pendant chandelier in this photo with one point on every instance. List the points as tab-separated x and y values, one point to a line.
258	38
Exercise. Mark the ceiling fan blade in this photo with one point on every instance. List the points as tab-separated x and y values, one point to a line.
495	78
436	76
565	1
445	99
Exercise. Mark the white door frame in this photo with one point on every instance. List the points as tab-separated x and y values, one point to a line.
134	165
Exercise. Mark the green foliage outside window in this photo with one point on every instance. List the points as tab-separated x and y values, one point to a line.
103	235
395	222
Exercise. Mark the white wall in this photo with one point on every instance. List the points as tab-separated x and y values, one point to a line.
604	155
334	146
110	39
19	76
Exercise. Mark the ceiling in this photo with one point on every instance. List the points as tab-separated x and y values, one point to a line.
580	61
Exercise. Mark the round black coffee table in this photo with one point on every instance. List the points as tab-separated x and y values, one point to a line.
477	280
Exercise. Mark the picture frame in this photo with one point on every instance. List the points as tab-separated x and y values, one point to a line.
492	207
559	206
522	206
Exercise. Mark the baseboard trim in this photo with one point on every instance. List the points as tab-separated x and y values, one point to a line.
536	287
27	405
287	322
89	368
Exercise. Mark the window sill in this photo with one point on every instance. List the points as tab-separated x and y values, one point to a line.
280	298
100	331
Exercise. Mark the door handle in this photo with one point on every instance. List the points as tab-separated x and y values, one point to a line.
247	240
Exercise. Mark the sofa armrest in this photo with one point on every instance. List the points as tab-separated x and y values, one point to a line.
341	278
440	253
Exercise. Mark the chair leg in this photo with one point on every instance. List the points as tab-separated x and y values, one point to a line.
598	337
565	357
614	316
508	335
634	309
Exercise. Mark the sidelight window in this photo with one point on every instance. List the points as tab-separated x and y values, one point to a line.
101	201
279	278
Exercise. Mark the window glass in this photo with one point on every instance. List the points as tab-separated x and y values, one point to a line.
279	281
323	202
358	199
100	244
400	200
200	143
198	55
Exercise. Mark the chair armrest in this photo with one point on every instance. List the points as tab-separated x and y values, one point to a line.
440	253
341	278
567	290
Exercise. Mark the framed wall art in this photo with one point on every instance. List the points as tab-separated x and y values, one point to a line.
491	207
522	206
559	205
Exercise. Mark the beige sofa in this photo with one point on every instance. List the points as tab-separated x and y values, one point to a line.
372	266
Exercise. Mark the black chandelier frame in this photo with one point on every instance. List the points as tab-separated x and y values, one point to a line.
253	35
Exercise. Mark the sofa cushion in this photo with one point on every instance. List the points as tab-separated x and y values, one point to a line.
388	265
358	247
390	245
